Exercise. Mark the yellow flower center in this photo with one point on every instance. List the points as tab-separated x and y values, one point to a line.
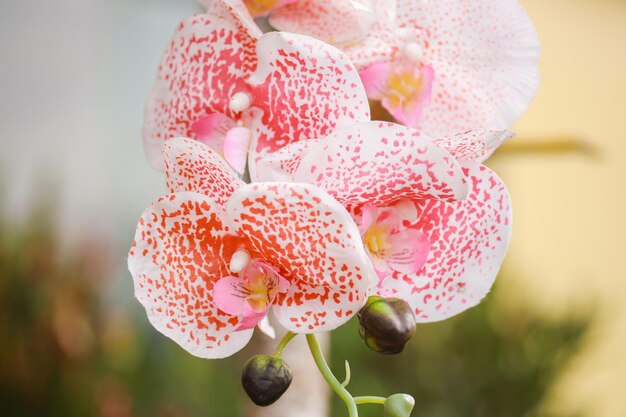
260	287
403	87
260	7
377	240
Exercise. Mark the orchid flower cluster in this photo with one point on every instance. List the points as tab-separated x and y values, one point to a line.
285	196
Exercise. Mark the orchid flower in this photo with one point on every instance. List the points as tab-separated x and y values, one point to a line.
225	84
434	221
443	66
212	257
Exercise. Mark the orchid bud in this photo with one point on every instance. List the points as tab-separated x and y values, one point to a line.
386	324
398	405
265	378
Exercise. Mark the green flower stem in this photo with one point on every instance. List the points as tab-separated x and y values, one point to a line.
369	400
318	357
283	342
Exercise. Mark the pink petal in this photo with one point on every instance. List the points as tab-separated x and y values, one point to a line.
181	249
485	55
314	243
406	211
236	145
410	248
227	295
192	166
368	217
332	21
205	64
251	318
302	89
374	79
475	145
379	163
212	129
468	243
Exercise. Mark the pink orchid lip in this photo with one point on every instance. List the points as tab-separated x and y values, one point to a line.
391	240
225	136
251	293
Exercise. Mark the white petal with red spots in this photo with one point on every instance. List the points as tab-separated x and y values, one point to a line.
475	145
468	242
333	21
204	65
302	89
180	250
484	54
314	243
193	166
375	163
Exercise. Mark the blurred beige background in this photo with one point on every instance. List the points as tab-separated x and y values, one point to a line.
75	74
569	210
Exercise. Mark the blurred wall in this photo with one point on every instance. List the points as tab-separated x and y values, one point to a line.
568	245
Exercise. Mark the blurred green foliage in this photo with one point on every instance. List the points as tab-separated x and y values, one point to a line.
65	352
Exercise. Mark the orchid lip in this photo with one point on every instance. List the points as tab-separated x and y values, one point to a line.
250	294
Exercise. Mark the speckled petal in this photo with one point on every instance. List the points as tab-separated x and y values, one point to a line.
193	166
233	9
312	239
302	89
211	130
379	163
333	21
475	145
180	250
484	54
236	143
468	242
380	45
206	62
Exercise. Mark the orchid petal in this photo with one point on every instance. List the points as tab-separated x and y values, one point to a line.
302	89
282	164
311	238
380	45
192	166
475	145
409	249
212	129
180	251
333	21
227	295
379	163
374	79
485	56
205	64
236	145
468	243
266	328
251	318
233	9
309	308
